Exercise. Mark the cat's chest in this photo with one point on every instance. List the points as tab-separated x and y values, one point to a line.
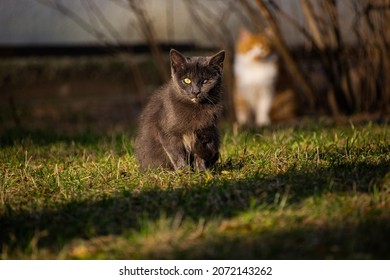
186	119
249	72
189	141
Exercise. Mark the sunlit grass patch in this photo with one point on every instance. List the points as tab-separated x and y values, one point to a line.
293	192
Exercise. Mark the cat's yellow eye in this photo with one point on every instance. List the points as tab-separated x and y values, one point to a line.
187	81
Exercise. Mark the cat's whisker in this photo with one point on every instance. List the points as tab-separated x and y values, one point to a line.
210	100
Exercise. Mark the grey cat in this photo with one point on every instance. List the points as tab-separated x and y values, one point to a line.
178	127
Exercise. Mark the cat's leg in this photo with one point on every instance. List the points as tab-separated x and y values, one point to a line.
202	164
242	108
242	114
199	163
175	151
206	148
263	107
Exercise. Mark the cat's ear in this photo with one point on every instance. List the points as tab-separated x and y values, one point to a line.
218	59
268	32
178	60
244	34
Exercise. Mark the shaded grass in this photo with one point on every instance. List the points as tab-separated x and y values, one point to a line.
312	192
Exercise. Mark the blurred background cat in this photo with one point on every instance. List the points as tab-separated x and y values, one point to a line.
262	92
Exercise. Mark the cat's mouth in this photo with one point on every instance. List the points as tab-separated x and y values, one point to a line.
194	100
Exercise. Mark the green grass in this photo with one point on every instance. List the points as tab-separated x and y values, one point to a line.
312	192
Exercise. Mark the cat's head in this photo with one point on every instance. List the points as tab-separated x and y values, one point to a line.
197	78
254	46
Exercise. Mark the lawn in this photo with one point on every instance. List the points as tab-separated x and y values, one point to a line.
312	191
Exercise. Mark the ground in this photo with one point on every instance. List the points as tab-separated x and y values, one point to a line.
70	187
308	192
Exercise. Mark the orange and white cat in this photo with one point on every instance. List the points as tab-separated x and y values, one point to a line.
255	70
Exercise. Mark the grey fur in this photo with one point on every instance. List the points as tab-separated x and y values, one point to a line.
178	127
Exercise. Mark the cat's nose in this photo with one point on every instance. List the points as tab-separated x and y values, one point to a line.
196	91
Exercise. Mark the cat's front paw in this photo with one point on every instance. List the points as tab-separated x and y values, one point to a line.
179	164
199	163
207	152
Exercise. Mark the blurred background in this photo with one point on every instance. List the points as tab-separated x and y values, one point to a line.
76	65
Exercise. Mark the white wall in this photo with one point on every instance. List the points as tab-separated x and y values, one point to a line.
28	22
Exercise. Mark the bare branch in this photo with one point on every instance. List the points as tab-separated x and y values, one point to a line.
312	21
282	49
253	15
150	36
101	39
83	24
104	21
